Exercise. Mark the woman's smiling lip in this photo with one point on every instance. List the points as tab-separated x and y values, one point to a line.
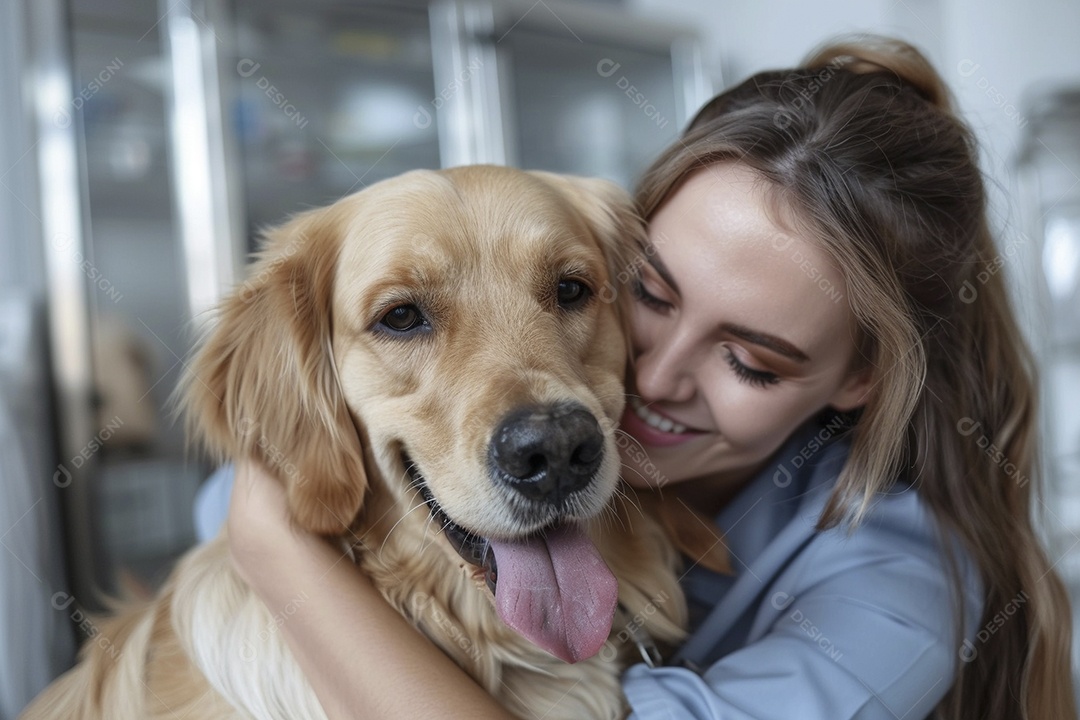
654	428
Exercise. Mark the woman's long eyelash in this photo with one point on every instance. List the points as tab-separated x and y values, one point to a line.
646	297
757	378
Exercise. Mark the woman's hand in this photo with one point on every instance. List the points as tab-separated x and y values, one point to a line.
260	532
362	658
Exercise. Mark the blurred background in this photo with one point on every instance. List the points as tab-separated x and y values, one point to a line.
144	144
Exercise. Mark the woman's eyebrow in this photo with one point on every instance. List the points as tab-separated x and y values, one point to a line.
777	345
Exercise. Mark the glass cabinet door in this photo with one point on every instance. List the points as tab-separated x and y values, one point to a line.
324	100
588	108
132	467
560	87
593	94
309	102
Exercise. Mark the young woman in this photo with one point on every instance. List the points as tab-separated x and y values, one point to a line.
809	374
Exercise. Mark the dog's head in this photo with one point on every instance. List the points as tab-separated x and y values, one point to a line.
451	335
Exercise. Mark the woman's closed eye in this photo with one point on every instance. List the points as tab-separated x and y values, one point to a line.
747	374
647	298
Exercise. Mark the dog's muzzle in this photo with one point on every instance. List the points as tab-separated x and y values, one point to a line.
556	590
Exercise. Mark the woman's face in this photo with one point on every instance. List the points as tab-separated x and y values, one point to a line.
741	332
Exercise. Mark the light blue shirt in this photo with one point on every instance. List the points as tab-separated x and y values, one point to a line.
816	625
813	625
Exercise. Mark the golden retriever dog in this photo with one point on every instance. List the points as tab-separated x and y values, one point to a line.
434	369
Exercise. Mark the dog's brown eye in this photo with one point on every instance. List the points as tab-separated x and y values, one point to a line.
403	318
572	293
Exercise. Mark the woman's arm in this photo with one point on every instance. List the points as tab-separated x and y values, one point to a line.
360	655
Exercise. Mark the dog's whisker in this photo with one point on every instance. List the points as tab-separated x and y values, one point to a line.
424	540
412	485
431	538
609	509
428	537
608	517
624	497
635	471
623	501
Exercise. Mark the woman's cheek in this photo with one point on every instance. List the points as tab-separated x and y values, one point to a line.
750	417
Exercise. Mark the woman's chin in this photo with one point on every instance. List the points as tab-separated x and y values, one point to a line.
652	467
649	467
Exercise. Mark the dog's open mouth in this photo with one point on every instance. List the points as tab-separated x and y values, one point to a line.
551	586
474	549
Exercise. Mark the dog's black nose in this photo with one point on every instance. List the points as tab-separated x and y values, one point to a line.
546	453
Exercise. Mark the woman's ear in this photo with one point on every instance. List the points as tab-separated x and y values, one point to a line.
854	391
264	385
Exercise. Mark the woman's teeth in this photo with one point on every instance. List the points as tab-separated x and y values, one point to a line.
654	420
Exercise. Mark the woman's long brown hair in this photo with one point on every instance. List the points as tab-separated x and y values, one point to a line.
861	142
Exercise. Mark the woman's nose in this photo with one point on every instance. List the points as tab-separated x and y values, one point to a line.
663	372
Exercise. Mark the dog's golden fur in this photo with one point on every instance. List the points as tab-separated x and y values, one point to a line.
294	375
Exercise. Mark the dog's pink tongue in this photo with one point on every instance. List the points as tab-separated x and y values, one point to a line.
556	591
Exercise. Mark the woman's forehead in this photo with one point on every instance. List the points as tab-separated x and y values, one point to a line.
719	240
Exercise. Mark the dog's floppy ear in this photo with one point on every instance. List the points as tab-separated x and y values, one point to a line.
610	213
263	384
